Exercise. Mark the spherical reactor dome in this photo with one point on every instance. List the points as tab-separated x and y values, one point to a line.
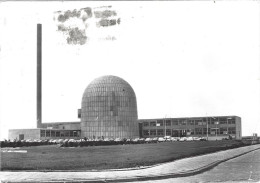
109	109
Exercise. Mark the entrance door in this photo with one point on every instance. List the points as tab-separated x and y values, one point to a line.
21	136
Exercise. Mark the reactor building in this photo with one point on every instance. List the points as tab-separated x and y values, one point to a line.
109	110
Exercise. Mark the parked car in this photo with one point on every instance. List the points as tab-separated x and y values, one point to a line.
161	139
141	140
167	138
189	139
155	140
196	138
60	140
135	140
182	139
129	141
71	140
111	140
174	139
203	139
117	140
148	140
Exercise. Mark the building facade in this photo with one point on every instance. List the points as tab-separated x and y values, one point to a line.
212	127
109	110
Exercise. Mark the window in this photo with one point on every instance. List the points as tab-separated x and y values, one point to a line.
223	120
160	132
52	133
168	132
192	131
67	133
152	123
198	121
175	133
146	123
198	131
146	132
188	132
231	121
214	131
190	122
168	122
152	132
183	122
204	131
223	131
57	133
71	133
175	122
160	123
232	130
42	133
75	133
211	122
47	133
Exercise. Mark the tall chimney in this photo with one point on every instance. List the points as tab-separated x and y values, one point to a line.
39	75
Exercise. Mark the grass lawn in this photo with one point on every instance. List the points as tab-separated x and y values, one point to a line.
53	157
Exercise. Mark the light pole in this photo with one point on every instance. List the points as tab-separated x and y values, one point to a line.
165	125
216	128
207	128
227	128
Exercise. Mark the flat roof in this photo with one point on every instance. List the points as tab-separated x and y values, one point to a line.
73	122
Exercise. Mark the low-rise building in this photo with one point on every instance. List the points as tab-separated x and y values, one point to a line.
211	127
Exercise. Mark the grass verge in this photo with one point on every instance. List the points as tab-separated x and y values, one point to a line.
52	157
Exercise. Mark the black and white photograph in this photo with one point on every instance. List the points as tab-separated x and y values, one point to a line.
129	91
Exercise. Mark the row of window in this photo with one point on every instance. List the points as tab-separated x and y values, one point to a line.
57	133
125	127
188	122
196	131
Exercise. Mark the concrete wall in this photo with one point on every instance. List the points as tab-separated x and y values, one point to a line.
28	134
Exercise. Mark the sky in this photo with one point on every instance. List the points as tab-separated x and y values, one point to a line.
182	58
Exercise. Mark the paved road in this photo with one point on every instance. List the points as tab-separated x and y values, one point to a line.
245	168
